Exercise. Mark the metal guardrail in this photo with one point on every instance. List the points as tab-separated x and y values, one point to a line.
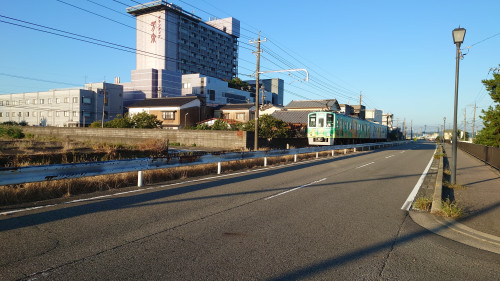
20	175
488	154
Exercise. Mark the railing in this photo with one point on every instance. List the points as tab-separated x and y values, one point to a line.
488	154
20	175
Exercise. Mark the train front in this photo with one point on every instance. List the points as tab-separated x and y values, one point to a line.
320	128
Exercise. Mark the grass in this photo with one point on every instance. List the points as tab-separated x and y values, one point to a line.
439	155
447	184
423	203
452	209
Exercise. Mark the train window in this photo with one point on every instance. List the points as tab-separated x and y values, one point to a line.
321	122
329	120
312	120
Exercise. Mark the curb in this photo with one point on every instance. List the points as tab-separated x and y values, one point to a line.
438	190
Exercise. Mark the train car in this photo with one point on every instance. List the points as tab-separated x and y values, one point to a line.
329	128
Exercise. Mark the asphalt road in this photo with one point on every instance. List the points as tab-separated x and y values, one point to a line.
328	219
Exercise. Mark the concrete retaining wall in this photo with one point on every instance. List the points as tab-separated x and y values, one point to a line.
227	140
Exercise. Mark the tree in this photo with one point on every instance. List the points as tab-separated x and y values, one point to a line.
237	83
120	122
269	127
145	120
490	134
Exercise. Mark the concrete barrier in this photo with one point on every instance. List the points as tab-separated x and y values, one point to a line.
438	188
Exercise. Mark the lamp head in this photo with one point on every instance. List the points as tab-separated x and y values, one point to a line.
458	35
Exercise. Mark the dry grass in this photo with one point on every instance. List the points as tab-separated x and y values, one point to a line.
29	192
452	209
447	184
423	203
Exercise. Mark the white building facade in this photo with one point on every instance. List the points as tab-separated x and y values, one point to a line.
217	92
63	107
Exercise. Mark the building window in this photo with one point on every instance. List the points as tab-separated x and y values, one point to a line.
7	114
42	101
168	115
26	114
1	102
49	101
27	101
212	94
66	100
42	113
66	113
34	101
75	99
75	114
240	116
58	113
1	114
19	114
50	113
34	113
58	100
86	100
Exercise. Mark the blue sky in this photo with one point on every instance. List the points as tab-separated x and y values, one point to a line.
399	54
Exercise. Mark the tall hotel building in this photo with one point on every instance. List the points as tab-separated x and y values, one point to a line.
172	42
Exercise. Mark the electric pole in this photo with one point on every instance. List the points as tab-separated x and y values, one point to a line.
473	122
404	128
411	129
465	121
444	127
258	52
103	103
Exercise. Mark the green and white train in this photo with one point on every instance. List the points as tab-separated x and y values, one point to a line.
329	128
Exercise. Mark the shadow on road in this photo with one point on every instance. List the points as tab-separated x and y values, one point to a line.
135	200
309	271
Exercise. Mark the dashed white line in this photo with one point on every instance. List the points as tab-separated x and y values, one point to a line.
293	189
365	165
389	156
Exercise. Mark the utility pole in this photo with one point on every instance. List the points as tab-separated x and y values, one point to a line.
103	103
465	122
444	126
404	128
258	52
411	129
473	122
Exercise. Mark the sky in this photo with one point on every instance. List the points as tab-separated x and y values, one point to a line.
398	55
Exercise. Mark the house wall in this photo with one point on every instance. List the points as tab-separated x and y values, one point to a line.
181	119
234	114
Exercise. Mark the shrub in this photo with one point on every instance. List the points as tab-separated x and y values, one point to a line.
11	132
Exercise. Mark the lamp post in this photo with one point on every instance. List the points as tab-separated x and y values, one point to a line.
458	39
185	115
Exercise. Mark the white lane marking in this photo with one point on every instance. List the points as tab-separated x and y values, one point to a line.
406	206
389	156
365	165
293	189
154	187
403	151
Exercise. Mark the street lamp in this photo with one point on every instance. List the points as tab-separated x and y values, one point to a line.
185	115
458	39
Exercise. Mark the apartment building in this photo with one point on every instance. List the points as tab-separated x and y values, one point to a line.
75	107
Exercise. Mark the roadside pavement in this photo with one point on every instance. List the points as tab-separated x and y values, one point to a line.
480	197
